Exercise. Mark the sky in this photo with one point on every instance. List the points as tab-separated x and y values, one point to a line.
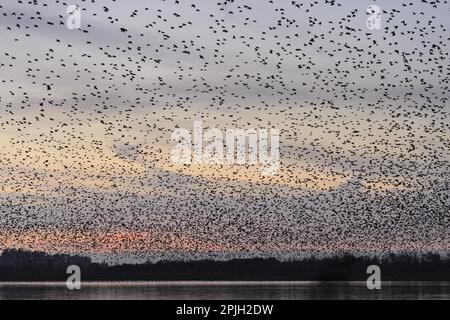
86	118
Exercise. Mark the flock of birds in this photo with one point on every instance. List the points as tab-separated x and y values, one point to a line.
86	118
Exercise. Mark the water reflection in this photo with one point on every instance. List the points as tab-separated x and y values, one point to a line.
226	290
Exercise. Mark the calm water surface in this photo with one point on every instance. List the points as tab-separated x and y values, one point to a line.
225	290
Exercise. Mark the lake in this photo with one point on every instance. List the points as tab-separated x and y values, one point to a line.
202	290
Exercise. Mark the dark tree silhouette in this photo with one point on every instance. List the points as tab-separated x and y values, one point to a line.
19	265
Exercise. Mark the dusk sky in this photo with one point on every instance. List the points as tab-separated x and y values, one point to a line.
86	118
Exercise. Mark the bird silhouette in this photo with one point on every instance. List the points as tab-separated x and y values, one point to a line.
86	118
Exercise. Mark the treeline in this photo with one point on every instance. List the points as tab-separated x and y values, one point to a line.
17	265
